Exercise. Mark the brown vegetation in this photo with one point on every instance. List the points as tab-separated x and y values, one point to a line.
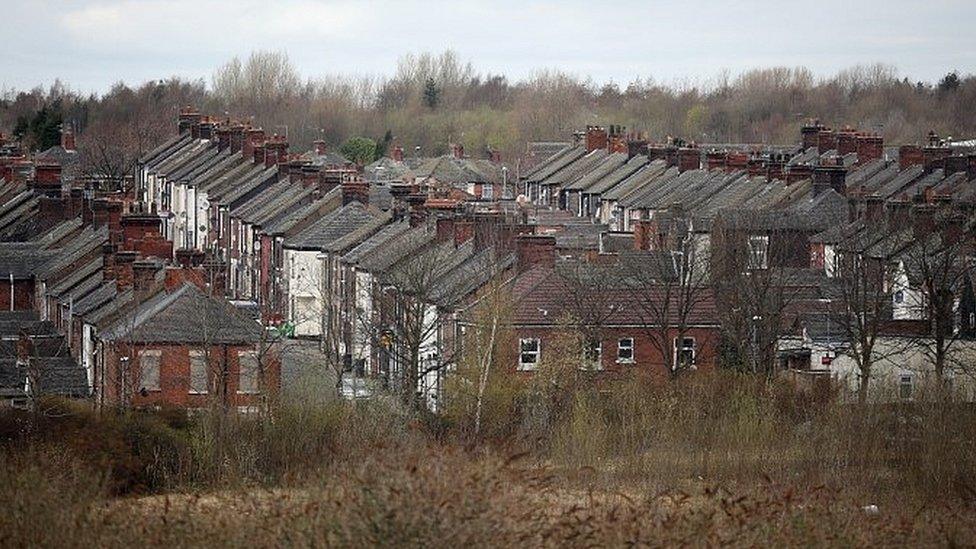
723	458
434	100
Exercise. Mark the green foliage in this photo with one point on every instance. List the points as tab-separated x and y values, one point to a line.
432	94
361	150
950	82
41	129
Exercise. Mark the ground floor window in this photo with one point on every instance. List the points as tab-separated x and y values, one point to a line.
529	353
684	352
625	350
906	386
149	360
198	372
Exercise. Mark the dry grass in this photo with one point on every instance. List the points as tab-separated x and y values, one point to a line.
705	461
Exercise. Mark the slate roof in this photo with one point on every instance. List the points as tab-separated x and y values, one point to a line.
396	248
333	226
468	276
60	376
184	315
543	295
286	222
603	168
21	259
375	242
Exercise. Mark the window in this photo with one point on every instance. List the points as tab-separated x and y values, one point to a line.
487	192
248	377
149	370
905	387
684	352
529	353
899	296
593	355
198	373
758	247
625	350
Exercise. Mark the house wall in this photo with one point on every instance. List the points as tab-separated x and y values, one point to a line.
23	295
647	357
305	299
174	376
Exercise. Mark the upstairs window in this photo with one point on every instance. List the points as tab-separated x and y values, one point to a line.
529	353
625	350
758	252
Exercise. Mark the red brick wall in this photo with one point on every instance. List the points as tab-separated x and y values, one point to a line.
174	376
647	357
23	294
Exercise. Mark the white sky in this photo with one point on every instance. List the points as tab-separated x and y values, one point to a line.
92	44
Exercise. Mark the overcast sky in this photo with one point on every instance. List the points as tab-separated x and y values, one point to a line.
92	44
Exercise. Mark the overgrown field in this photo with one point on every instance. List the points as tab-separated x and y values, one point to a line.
717	459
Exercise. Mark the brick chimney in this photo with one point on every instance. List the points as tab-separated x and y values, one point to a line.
716	160
829	177
935	152
910	155
276	151
810	134
535	250
869	148
457	150
206	128
689	158
258	154
826	140
123	270
144	273
798	172
643	234
253	137
355	190
847	141
187	119
237	138
67	139
397	154
616	140
319	147
223	138
417	212
596	138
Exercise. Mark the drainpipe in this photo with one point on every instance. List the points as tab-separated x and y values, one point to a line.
11	291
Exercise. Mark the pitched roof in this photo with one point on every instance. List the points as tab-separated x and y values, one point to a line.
333	226
184	315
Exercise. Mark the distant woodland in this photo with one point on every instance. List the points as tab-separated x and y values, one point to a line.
433	100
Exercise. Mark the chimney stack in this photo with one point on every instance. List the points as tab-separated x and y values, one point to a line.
253	137
869	148
397	154
535	250
829	177
276	151
910	155
187	119
596	138
355	190
319	147
67	139
457	150
144	273
123	270
810	134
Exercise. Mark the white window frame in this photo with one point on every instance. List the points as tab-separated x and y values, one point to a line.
678	349
590	362
150	354
630	347
255	387
536	354
201	356
758	252
906	381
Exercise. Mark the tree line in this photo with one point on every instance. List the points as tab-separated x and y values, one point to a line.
432	100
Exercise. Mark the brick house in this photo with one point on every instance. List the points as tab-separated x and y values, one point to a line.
184	348
622	340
